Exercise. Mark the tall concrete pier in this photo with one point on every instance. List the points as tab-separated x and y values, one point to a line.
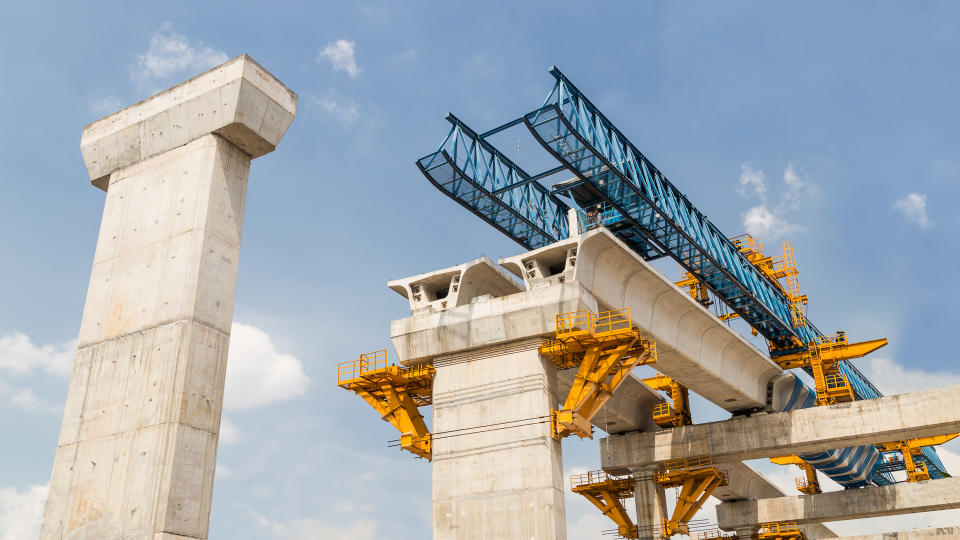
138	444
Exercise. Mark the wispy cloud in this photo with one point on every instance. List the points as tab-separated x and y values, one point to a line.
771	221
19	354
894	378
21	511
341	55
308	529
343	109
105	105
26	400
257	373
173	55
913	207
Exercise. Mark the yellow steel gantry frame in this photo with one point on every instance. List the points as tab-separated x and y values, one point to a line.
910	449
396	393
604	347
697	479
785	530
807	484
607	493
822	358
665	415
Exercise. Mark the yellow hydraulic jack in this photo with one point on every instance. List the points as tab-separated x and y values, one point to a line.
664	414
697	479
809	484
822	357
910	449
396	393
607	493
786	530
604	348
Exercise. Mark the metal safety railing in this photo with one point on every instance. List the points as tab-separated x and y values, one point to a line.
783	527
593	477
354	369
584	322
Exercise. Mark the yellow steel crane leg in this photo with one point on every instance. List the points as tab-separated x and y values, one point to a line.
397	393
697	479
910	449
607	493
664	414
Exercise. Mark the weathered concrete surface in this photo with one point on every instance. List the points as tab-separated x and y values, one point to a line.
485	311
942	533
903	416
904	498
238	100
651	504
137	447
693	346
497	471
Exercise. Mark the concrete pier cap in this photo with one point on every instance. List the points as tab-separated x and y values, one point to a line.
238	100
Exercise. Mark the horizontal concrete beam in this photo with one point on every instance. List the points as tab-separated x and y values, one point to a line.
916	414
896	499
916	534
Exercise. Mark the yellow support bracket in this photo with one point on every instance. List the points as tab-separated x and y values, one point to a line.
604	348
664	414
809	484
607	493
396	392
910	449
697	479
784	530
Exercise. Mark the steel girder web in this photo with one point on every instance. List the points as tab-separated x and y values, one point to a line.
472	172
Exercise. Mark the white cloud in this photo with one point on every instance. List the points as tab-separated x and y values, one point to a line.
310	529
28	401
105	105
914	209
797	190
259	374
893	378
760	221
752	180
341	108
341	56
171	54
20	355
228	431
21	512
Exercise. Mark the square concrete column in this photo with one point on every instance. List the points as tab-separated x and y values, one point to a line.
138	443
502	477
651	502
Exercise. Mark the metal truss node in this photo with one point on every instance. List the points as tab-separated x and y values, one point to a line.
604	348
697	479
607	493
396	393
808	484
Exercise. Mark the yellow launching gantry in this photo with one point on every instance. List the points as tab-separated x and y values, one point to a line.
697	479
807	484
607	493
665	415
785	530
604	347
396	393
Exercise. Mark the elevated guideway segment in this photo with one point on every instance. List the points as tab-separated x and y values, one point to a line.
931	533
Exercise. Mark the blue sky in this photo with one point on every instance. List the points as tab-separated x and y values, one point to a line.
832	125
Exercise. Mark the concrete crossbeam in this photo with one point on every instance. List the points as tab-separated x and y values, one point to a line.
916	414
138	443
941	533
895	499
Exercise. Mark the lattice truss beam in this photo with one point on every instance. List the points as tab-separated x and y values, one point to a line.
603	348
608	493
397	393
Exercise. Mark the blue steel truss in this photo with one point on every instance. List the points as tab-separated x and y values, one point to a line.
476	175
635	201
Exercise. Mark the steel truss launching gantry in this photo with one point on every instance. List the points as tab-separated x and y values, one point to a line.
615	186
604	348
